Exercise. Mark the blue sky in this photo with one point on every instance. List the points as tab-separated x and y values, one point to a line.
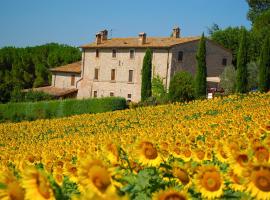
75	22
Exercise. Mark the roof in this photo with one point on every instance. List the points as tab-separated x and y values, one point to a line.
160	42
70	68
54	91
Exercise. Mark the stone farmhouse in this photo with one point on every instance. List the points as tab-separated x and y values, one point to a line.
112	66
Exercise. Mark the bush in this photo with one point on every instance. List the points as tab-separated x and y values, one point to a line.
54	109
158	89
182	87
31	96
228	79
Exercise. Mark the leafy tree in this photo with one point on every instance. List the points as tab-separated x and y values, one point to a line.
230	39
201	70
28	67
146	88
261	26
214	28
264	68
158	89
228	79
242	74
253	71
256	7
181	87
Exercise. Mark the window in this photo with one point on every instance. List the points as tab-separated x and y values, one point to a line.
113	75
97	53
96	74
180	56
132	54
72	80
95	93
224	61
130	76
111	94
114	53
129	96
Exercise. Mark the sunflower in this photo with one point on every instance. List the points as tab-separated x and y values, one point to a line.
36	185
147	154
94	175
182	176
237	183
170	194
259	184
113	154
239	163
12	189
261	154
209	182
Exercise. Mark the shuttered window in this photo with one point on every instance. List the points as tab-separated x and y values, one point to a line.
96	74
113	75
130	76
72	80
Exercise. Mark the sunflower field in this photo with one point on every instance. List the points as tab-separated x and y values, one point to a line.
206	149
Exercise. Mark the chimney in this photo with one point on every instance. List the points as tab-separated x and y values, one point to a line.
98	38
104	35
176	32
142	38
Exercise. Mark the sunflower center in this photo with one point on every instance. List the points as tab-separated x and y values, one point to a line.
262	154
262	180
172	196
100	184
200	154
150	152
211	181
43	188
187	153
182	176
242	160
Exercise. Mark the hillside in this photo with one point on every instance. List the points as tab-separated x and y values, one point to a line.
203	149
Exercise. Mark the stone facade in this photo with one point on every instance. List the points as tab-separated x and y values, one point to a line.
64	80
107	64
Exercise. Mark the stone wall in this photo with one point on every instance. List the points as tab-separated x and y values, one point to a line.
63	80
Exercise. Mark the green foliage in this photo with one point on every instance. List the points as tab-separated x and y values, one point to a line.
141	186
201	70
230	39
228	79
28	67
261	25
253	71
256	8
158	89
54	109
181	87
264	68
146	88
242	74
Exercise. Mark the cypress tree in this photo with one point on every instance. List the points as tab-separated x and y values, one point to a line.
201	71
242	73
146	88
264	67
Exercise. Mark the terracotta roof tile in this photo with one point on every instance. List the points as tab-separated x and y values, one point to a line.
70	68
160	42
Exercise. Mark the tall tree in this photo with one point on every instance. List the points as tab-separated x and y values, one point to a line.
264	68
256	7
201	70
146	88
242	73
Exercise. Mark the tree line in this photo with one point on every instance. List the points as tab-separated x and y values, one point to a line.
29	67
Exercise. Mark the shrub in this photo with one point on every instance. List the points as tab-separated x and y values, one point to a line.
54	109
228	79
182	87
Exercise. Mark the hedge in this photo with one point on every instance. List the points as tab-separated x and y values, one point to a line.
30	111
